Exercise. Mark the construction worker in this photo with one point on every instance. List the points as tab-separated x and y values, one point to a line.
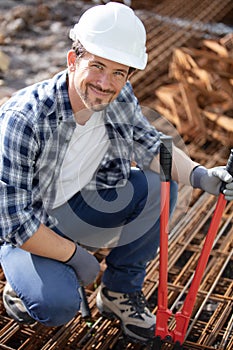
67	185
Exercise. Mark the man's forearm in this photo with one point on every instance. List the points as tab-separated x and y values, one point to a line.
182	166
49	244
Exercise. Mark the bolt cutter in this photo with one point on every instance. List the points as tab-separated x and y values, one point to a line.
162	332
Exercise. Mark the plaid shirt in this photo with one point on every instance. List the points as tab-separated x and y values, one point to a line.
36	125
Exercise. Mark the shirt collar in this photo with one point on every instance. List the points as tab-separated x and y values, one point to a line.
63	101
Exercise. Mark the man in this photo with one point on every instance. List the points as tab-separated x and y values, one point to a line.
67	145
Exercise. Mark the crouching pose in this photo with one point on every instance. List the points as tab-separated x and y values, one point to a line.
67	184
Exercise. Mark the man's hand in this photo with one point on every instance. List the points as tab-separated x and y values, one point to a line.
210	180
84	264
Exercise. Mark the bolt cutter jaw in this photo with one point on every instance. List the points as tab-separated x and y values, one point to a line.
178	346
182	322
158	343
175	336
162	318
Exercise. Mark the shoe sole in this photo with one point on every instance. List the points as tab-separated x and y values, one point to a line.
111	316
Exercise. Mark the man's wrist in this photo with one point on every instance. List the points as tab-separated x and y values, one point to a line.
196	174
73	253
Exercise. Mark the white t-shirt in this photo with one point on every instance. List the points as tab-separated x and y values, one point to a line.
86	149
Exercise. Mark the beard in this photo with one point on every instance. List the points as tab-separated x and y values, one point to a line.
97	104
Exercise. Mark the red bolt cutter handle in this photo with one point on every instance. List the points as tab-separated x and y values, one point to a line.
183	317
163	313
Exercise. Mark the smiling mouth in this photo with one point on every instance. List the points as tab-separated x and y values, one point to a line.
100	92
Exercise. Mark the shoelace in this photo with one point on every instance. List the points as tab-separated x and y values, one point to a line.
137	301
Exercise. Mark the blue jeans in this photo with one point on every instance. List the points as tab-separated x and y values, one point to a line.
49	289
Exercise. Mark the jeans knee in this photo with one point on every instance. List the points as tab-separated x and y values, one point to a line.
55	311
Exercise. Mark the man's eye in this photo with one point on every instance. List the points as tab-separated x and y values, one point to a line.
98	66
120	75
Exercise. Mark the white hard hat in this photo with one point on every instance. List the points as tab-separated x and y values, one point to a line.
114	32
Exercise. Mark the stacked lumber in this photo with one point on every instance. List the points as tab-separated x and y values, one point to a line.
199	99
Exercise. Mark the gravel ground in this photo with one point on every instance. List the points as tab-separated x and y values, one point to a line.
34	38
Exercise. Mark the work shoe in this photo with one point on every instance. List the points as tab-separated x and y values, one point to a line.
15	307
130	308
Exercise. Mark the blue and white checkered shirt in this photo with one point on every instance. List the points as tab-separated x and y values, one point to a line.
36	125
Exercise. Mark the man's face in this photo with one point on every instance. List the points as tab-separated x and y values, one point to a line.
98	81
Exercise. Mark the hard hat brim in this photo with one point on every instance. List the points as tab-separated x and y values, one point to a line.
121	57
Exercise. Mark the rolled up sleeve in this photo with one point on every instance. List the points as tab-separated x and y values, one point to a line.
146	140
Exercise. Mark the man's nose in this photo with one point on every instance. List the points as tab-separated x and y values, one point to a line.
105	81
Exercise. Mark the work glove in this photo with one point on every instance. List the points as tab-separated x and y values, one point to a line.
84	264
210	180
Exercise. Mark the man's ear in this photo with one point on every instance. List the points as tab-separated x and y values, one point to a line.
131	74
71	58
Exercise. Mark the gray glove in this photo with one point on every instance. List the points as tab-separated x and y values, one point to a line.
84	264
210	180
